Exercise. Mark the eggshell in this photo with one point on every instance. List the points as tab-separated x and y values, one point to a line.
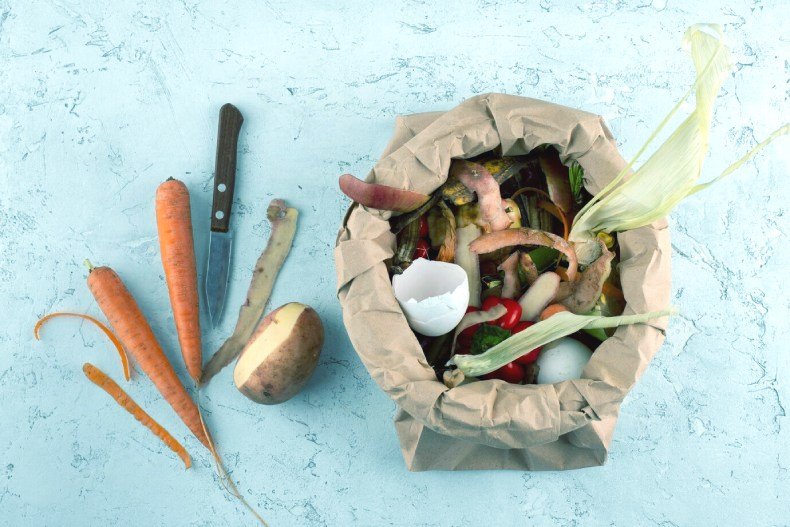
562	360
433	295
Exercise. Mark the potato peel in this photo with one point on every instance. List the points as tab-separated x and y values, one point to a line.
479	180
527	268
511	285
447	250
283	220
509	237
582	295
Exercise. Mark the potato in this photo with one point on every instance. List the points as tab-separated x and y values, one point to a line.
281	354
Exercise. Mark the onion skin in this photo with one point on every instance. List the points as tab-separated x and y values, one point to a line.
381	197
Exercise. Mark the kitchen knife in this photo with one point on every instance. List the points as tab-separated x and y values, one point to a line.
220	237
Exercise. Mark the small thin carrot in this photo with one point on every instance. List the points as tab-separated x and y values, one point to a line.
134	332
100	379
107	331
174	223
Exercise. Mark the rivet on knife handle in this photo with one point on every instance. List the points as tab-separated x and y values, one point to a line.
230	120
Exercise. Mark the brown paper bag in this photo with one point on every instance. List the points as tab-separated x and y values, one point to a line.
487	424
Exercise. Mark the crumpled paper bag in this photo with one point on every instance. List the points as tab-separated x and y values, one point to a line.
491	424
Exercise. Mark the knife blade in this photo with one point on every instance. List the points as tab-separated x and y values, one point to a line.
220	236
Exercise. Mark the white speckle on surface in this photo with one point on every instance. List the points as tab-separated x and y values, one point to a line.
102	101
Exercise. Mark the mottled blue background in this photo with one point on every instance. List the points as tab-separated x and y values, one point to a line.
101	101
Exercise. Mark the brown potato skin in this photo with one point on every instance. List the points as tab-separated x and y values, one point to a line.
285	371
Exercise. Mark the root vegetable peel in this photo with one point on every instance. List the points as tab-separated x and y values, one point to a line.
107	331
283	220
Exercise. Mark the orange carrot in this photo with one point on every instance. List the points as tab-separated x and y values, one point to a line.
100	379
552	310
125	317
174	222
105	329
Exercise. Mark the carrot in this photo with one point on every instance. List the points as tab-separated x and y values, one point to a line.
174	222
125	317
105	329
552	310
100	379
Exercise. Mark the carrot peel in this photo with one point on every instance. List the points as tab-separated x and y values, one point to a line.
100	379
107	331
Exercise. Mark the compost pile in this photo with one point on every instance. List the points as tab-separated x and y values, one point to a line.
506	221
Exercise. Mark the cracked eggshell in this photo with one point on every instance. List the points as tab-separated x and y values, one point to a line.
562	360
433	296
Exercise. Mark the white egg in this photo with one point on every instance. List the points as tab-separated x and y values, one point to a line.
562	360
433	296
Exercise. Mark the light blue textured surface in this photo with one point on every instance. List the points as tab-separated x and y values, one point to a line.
101	101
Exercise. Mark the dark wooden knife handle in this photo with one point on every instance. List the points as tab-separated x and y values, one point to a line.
230	120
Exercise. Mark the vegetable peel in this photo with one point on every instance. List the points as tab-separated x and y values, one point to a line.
496	240
469	260
283	220
479	180
107	331
581	296
447	248
511	285
381	197
527	270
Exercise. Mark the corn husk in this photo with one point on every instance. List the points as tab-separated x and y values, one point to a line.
560	325
633	200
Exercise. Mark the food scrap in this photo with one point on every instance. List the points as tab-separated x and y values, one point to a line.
487	278
281	355
107	331
283	219
100	379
